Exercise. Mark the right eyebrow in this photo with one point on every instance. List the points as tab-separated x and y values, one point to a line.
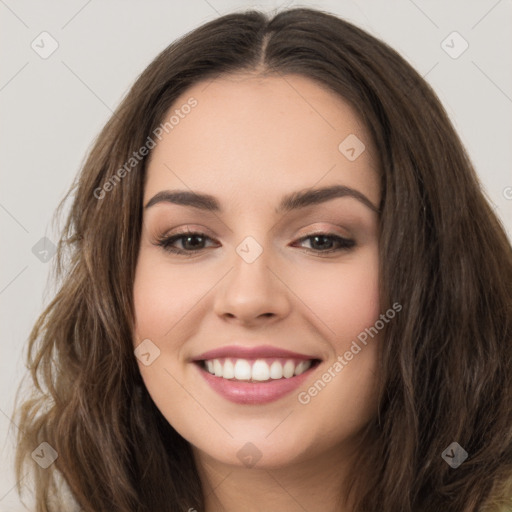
186	198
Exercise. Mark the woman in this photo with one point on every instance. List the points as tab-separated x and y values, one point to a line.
284	290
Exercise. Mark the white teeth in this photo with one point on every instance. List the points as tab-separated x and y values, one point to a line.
217	368
276	370
241	369
229	370
302	367
260	370
288	369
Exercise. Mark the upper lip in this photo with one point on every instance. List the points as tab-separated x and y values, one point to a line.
259	352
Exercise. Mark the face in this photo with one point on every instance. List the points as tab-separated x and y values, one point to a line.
248	321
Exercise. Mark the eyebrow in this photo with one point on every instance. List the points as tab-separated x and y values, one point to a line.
293	201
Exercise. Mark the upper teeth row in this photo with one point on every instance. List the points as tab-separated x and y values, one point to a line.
241	369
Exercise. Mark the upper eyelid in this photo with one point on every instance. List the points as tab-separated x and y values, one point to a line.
323	228
203	232
180	235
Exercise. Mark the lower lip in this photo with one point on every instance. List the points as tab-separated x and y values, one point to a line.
254	392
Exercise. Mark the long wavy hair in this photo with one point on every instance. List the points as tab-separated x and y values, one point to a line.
446	360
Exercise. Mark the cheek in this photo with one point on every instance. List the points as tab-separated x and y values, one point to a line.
162	295
344	297
148	296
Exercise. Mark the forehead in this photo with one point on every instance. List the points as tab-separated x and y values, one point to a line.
260	136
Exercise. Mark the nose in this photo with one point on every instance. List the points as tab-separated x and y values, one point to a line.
252	294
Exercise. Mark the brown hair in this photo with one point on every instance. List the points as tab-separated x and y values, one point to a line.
446	361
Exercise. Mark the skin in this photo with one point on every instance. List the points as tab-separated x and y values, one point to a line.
249	141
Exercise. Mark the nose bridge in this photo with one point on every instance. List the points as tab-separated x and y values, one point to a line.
251	289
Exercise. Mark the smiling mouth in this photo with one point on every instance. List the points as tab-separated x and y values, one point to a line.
256	370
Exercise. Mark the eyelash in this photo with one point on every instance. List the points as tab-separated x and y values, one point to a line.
166	243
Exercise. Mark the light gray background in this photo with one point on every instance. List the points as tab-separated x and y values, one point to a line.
53	108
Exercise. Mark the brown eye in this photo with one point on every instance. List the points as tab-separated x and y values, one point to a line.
191	242
323	243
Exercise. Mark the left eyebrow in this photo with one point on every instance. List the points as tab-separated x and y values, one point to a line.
294	201
308	197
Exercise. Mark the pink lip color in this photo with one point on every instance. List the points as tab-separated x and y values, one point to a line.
261	352
254	393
